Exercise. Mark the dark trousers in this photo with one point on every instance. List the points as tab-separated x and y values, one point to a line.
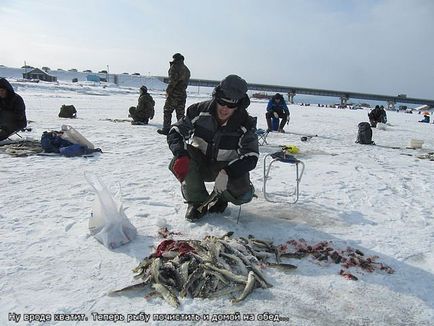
282	115
173	103
5	134
201	170
138	116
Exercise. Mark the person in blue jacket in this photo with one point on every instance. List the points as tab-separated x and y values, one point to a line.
426	118
277	108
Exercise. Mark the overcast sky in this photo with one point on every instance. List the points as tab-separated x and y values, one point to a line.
375	46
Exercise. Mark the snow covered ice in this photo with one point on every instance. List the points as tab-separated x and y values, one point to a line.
375	199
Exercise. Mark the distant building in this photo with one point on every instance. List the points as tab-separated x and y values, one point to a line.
93	78
39	75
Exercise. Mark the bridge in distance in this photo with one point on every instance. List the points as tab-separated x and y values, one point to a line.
344	96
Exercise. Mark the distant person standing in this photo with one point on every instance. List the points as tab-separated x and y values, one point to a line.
12	110
176	92
277	108
145	108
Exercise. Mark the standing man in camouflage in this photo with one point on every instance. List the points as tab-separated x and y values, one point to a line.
179	76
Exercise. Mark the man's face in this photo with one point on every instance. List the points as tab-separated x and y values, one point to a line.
224	112
3	93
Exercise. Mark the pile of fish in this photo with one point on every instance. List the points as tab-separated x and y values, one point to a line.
220	266
208	268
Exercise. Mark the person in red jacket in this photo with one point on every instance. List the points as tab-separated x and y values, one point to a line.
12	110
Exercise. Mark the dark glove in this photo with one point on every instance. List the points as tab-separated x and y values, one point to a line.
151	116
180	167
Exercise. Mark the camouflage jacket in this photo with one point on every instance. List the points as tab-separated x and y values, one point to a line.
235	142
145	105
179	76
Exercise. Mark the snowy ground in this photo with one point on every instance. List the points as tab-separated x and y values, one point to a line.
368	197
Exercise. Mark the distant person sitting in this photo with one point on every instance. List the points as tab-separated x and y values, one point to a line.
377	115
426	118
68	111
277	108
145	108
12	110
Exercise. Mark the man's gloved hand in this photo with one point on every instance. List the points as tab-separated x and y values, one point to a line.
221	182
151	116
180	167
275	114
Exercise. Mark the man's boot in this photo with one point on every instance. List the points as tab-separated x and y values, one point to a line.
192	214
269	129
167	120
282	124
163	131
218	207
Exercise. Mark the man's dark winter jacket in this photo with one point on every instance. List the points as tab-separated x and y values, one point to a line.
12	110
145	106
280	107
235	143
179	76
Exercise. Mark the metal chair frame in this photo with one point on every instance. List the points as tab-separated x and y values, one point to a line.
262	136
283	158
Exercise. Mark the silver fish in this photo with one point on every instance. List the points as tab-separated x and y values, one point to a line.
282	266
250	285
228	274
167	294
239	263
128	288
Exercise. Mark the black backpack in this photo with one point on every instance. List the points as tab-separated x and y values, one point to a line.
364	136
67	111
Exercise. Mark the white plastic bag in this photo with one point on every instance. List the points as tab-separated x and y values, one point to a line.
72	135
108	222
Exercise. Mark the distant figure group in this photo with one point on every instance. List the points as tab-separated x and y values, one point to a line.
12	110
276	110
377	115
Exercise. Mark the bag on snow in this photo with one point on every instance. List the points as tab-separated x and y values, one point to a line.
364	135
67	111
72	135
54	142
77	150
51	142
108	222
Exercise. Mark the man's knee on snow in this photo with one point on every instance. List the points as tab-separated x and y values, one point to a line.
240	198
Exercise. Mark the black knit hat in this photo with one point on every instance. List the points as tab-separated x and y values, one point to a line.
278	96
144	89
178	57
232	87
